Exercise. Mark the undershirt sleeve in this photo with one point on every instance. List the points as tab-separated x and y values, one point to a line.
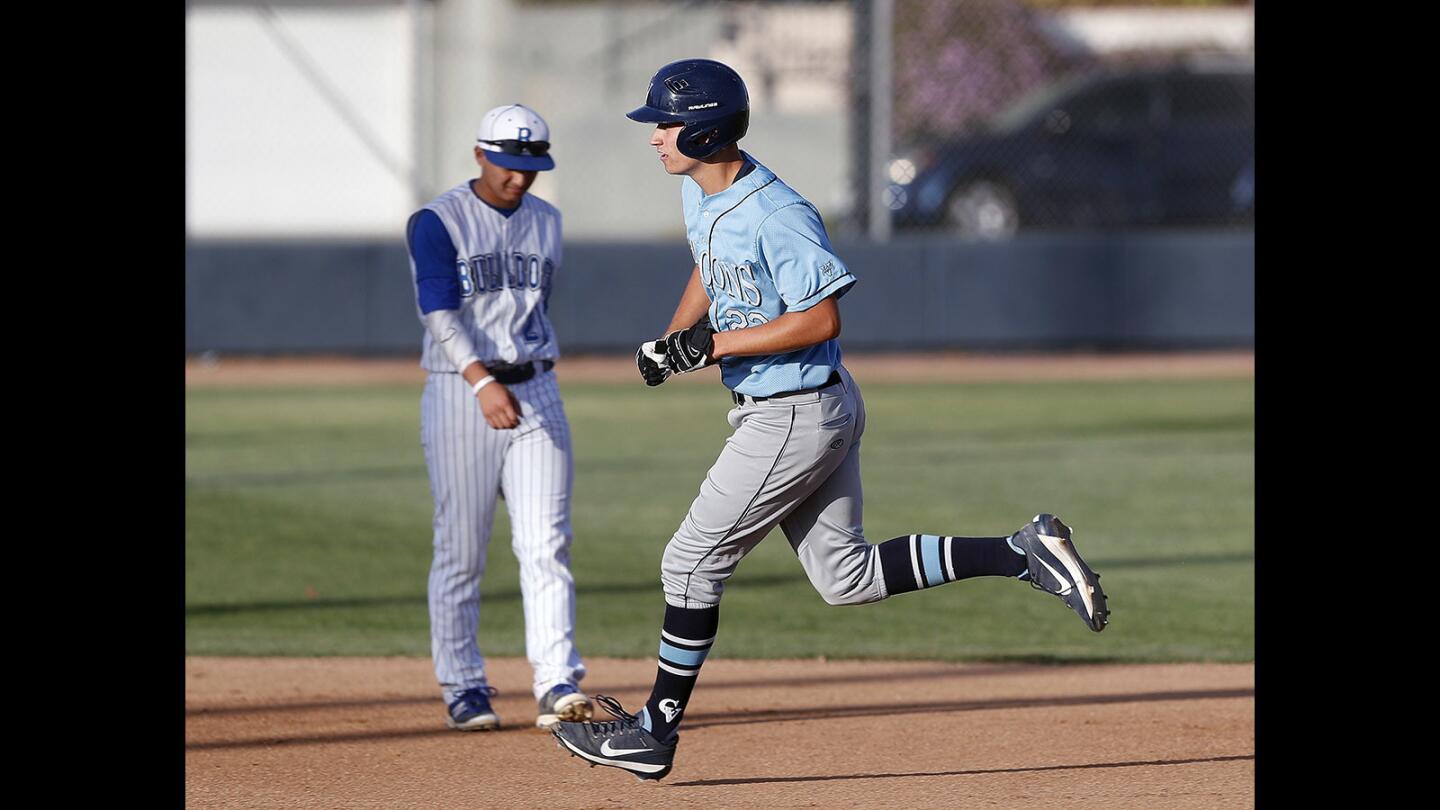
445	327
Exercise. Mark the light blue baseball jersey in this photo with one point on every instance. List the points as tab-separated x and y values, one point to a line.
763	252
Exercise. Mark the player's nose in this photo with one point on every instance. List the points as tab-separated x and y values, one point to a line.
657	137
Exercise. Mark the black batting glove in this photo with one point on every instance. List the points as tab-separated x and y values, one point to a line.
689	349
650	358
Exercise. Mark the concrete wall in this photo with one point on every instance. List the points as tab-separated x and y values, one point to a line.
337	120
1173	290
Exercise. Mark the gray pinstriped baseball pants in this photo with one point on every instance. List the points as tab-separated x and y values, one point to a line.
470	464
792	462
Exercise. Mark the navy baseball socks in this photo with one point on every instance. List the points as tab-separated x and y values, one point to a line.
644	743
920	561
1041	553
685	641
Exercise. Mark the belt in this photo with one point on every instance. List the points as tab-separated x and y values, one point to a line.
740	398
506	374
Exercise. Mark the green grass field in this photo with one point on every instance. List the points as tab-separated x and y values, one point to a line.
308	522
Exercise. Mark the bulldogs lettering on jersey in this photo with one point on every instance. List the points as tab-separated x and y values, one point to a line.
506	267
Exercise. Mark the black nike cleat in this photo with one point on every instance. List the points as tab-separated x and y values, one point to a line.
1055	567
619	743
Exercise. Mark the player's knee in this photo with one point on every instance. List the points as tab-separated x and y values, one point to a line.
688	579
683	589
848	594
543	551
852	582
456	564
676	557
552	537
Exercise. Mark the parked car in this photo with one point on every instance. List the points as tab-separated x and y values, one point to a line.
1171	146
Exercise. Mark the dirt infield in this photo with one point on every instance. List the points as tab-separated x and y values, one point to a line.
369	732
934	367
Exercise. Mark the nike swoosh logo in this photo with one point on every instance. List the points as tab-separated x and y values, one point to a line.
618	752
1054	573
1057	547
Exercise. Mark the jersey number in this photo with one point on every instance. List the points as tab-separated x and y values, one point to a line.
534	329
739	319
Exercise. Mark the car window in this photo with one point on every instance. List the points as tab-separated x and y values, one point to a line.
1110	107
1211	99
1035	104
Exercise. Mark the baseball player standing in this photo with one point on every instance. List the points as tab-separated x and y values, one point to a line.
762	303
483	257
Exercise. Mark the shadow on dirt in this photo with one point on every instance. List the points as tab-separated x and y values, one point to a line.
638	692
759	780
889	709
700	721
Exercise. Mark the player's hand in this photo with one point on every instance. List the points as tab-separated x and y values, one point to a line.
501	409
650	358
689	349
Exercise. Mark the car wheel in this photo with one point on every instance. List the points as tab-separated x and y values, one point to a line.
983	210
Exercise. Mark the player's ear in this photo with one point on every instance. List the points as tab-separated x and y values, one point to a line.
480	157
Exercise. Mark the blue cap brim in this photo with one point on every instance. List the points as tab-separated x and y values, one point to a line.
651	115
521	163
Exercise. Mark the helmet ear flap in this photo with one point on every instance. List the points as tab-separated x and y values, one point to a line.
704	138
699	140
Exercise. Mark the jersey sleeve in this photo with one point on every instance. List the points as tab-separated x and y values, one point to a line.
794	246
437	282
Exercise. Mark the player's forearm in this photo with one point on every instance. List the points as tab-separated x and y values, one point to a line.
791	331
446	329
475	372
694	303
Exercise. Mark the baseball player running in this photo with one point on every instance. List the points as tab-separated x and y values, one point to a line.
762	304
483	257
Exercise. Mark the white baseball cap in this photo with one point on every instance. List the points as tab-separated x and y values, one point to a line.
516	137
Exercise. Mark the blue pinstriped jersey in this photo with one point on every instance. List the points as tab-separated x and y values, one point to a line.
762	252
496	269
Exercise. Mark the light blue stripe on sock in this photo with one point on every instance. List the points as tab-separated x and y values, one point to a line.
676	655
645	718
930	556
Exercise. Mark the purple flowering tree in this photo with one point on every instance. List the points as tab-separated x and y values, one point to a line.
959	62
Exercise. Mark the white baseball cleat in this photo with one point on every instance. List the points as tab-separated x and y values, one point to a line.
564	702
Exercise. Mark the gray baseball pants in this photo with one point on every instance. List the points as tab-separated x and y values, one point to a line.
792	461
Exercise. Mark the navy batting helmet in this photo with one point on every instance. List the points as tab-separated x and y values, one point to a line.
705	95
